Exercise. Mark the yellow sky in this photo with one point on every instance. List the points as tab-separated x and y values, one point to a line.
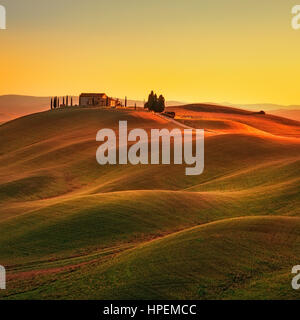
189	50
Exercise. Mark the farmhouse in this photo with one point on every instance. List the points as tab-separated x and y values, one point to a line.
96	100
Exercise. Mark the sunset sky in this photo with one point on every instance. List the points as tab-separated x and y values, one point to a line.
239	51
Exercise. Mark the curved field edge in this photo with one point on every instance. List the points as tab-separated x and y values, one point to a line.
87	224
238	258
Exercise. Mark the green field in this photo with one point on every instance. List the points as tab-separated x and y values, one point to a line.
72	229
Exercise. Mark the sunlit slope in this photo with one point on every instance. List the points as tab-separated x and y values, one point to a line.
244	258
89	223
57	149
214	261
52	154
225	119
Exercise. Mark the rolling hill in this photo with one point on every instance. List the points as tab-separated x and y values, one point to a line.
231	117
73	229
291	113
14	106
269	107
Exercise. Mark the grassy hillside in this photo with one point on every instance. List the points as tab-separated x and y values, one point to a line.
244	258
60	211
233	118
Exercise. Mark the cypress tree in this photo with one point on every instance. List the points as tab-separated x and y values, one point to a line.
160	104
155	103
150	103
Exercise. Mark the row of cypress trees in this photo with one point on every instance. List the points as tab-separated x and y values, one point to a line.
65	103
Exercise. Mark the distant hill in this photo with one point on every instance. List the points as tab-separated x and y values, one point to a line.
228	119
265	106
14	106
291	114
286	111
290	111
